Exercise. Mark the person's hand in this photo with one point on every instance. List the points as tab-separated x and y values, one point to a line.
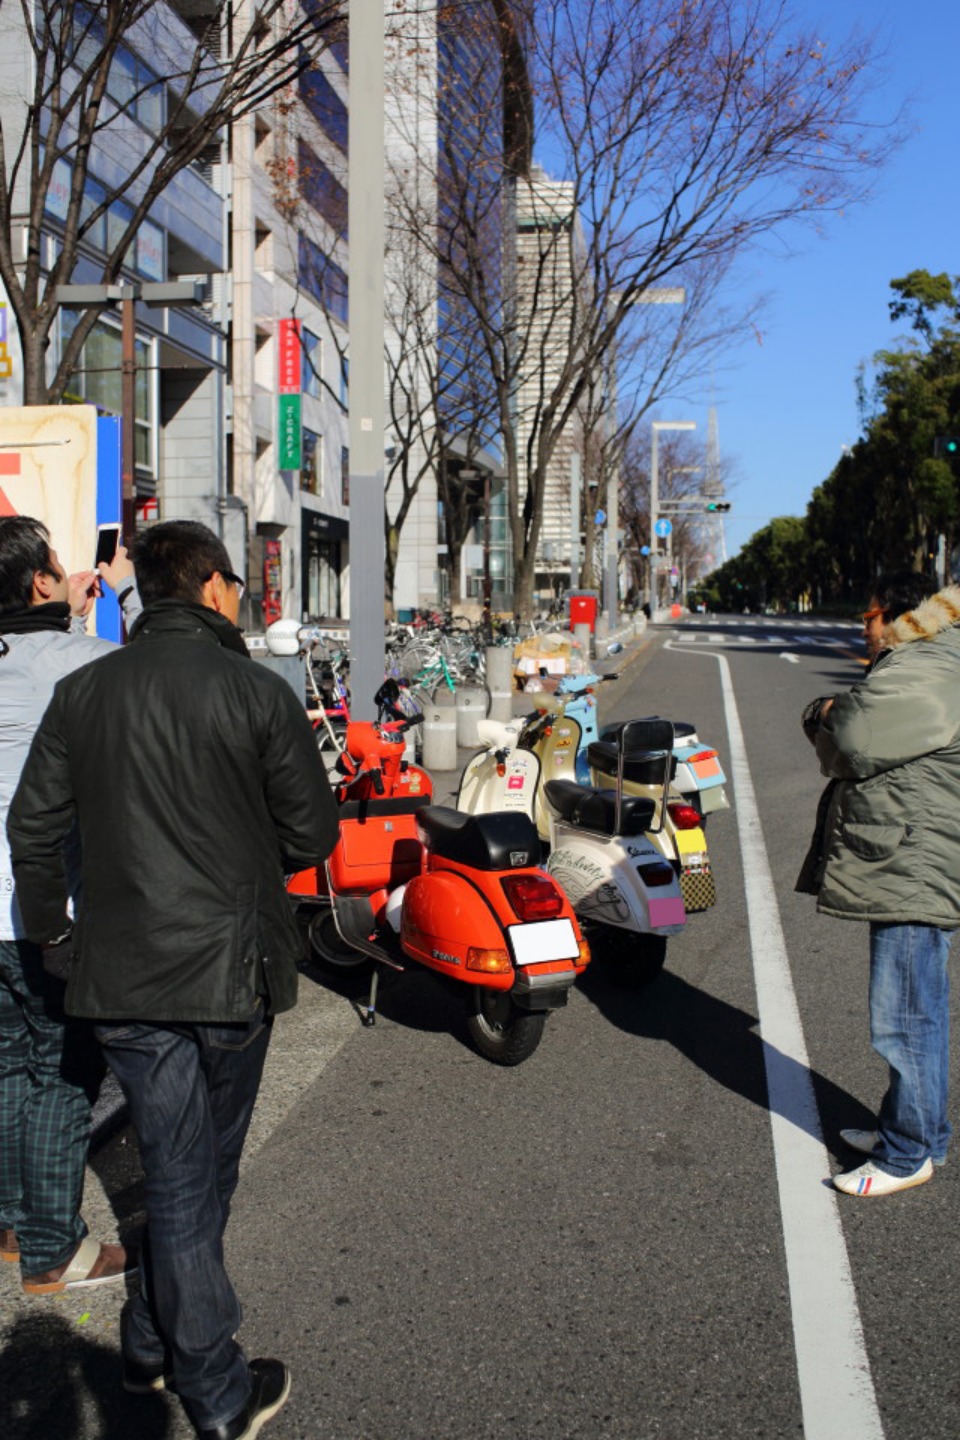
119	569
82	589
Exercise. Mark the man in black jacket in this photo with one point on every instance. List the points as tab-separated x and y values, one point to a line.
196	783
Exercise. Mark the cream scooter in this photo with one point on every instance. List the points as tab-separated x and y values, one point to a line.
606	855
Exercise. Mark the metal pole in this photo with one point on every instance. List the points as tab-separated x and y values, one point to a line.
366	301
575	486
613	553
128	406
654	507
487	587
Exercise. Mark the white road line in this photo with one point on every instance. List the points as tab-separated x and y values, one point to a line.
794	659
836	1388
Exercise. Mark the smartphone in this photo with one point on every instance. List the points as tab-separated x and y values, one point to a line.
108	538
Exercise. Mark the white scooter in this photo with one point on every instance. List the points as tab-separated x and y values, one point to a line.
604	854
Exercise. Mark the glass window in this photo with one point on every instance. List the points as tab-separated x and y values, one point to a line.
98	380
311	364
324	104
322	278
311	462
345	474
321	189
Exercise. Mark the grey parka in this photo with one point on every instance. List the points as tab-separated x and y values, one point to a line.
889	843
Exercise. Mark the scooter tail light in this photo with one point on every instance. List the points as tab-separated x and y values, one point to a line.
685	817
659	873
490	962
704	755
585	956
533	897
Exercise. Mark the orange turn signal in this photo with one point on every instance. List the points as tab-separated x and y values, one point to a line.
585	956
491	962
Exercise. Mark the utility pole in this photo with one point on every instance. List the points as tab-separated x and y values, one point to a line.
366	302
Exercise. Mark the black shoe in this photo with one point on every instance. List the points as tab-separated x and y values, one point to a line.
141	1379
271	1386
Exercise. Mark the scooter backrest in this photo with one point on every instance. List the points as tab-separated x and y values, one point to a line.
645	735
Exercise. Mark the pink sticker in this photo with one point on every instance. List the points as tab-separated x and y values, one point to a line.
667	912
515	782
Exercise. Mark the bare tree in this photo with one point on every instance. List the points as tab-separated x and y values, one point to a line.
133	89
683	134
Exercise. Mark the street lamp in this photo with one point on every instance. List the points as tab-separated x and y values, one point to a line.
86	297
656	427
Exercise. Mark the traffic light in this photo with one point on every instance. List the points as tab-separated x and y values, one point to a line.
715	505
947	447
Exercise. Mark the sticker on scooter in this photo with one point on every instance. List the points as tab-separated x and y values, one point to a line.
515	782
519	857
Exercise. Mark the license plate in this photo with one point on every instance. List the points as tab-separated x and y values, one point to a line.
691	842
543	940
705	769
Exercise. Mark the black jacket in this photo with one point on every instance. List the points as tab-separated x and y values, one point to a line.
196	780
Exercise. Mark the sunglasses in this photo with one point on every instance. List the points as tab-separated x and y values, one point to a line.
234	580
869	615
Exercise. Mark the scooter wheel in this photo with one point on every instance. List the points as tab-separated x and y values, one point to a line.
500	1030
330	950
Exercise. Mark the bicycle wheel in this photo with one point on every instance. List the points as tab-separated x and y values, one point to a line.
443	695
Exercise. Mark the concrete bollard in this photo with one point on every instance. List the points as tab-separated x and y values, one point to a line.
471	708
439	738
584	638
500	680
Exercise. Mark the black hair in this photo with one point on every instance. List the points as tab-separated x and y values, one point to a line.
901	590
175	559
24	549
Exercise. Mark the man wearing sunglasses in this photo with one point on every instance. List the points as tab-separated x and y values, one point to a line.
887	850
196	782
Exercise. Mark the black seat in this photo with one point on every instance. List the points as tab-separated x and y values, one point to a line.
597	809
501	841
643	767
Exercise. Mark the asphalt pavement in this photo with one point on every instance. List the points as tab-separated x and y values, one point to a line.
608	1240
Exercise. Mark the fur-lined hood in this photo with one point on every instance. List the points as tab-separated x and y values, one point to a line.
929	619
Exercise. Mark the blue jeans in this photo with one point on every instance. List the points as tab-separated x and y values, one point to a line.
191	1091
910	1029
50	1072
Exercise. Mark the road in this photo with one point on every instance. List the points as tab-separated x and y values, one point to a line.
631	1235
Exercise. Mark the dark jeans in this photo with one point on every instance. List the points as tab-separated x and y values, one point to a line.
191	1091
50	1072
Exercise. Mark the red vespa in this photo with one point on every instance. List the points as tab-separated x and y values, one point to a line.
462	895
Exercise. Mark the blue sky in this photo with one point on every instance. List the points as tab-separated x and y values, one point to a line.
786	406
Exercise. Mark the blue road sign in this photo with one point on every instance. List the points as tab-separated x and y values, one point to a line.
663	528
600	517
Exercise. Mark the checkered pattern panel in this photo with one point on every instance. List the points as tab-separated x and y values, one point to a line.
697	889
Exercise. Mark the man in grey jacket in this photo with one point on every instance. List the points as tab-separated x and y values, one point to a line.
887	850
49	1068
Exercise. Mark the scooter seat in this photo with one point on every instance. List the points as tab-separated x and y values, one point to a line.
682	729
642	767
597	809
503	840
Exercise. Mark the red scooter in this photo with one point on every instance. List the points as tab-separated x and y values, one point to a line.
461	895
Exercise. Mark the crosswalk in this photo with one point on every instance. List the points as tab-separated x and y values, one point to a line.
814	636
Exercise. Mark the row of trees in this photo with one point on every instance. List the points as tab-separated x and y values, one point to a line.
891	502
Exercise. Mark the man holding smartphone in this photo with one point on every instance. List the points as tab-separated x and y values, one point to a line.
50	1068
197	789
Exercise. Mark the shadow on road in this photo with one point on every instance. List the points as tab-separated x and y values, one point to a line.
57	1383
721	1040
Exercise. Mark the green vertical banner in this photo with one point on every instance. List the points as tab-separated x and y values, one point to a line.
288	432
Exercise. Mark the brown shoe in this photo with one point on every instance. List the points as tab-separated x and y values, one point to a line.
92	1264
9	1246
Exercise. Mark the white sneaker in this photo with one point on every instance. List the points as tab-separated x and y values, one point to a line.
863	1140
869	1181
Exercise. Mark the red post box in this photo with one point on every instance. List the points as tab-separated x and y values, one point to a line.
583	608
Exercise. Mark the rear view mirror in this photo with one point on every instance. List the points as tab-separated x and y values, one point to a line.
614	648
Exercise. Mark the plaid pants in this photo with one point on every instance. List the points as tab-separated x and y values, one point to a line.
50	1073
